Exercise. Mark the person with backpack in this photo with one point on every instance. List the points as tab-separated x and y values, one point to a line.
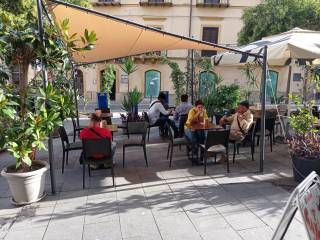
159	116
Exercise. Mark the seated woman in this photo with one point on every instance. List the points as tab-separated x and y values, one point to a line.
94	131
196	115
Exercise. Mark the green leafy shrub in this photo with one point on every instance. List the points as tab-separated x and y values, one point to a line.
25	125
306	140
108	78
133	99
225	97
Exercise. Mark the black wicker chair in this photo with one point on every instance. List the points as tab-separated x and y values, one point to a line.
99	147
217	142
67	146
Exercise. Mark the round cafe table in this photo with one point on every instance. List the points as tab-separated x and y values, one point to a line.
208	126
111	127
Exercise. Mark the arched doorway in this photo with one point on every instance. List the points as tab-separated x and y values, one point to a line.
152	83
79	82
207	82
113	89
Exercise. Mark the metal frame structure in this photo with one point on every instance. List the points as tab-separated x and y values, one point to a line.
257	56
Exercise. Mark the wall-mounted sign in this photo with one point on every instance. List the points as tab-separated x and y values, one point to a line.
124	78
296	77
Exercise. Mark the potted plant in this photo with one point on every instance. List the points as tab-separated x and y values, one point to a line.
128	67
108	78
24	128
222	101
304	144
130	103
29	114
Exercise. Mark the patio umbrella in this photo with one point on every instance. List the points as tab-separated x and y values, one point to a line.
119	37
300	44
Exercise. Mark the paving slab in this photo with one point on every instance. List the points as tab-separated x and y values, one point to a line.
138	225
109	230
177	225
26	234
210	223
243	220
260	233
222	234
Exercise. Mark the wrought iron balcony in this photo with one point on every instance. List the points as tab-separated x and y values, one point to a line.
106	3
213	3
166	3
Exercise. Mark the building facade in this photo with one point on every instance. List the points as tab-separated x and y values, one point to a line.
217	21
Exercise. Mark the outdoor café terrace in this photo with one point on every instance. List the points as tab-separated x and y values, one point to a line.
156	202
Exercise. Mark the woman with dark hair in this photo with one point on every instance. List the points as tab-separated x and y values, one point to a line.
195	116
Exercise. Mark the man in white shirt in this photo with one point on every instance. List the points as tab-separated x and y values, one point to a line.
159	116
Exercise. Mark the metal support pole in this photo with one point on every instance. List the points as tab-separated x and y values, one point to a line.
192	75
189	51
45	84
74	77
288	83
263	108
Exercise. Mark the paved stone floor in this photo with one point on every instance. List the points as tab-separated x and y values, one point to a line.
157	202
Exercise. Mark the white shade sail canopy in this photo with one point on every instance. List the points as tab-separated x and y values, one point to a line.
118	37
294	44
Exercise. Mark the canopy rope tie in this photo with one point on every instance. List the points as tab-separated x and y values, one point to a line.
135	42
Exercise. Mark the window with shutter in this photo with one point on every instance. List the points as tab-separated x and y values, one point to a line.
209	34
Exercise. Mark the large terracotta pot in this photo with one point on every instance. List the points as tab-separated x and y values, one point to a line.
27	187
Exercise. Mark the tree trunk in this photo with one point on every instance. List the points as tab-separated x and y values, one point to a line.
23	78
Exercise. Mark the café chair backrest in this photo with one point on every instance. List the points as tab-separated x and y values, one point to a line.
96	147
137	128
270	122
182	122
217	137
74	123
146	117
63	136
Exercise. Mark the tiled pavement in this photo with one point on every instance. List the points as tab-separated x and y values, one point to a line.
157	202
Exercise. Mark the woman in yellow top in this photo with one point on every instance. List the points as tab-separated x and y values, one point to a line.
196	115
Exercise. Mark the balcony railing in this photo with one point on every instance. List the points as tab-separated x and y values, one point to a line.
213	3
166	3
106	3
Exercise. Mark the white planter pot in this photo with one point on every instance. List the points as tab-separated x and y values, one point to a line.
27	187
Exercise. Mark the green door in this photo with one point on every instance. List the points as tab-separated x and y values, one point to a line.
206	83
272	84
152	83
